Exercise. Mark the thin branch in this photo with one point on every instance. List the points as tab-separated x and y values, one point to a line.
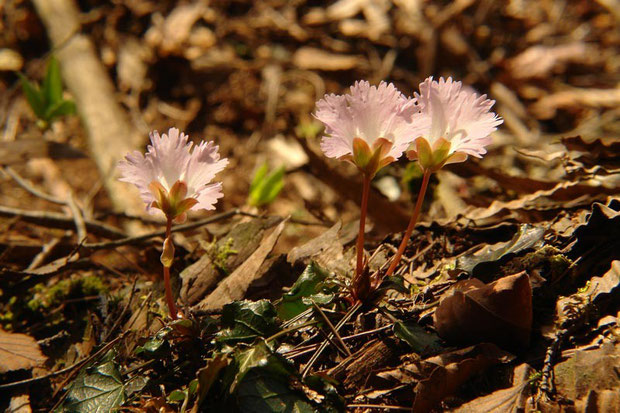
30	188
162	233
57	220
331	327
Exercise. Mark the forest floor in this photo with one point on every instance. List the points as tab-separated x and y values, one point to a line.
507	297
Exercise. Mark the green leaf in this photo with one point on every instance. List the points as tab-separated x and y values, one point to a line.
156	344
62	108
420	340
259	382
259	176
244	321
308	286
262	391
96	389
267	187
177	395
52	83
34	96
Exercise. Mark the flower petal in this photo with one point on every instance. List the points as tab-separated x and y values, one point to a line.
369	113
458	115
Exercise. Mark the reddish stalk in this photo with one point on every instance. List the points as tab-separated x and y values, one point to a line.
412	222
171	306
360	236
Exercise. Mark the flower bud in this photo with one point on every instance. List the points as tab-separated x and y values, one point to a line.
167	255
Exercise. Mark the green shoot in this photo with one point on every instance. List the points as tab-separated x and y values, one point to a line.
46	101
265	185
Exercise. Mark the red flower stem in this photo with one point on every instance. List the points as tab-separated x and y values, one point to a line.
171	306
412	222
360	236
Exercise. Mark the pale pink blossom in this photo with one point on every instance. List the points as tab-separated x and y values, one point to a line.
380	116
458	116
170	159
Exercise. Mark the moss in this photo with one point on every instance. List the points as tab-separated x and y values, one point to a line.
548	260
47	297
219	253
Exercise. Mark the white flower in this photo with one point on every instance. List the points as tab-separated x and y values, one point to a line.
460	121
172	170
372	126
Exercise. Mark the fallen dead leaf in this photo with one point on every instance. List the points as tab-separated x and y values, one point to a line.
448	371
585	371
19	351
511	399
499	312
236	284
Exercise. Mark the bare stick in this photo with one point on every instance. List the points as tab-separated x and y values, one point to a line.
178	228
57	220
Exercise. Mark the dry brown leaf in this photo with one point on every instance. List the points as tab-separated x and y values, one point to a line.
326	250
575	99
499	312
201	277
19	351
511	399
562	195
448	371
602	366
592	158
236	284
23	150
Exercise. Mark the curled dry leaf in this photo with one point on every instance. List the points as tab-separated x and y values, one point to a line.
448	371
499	312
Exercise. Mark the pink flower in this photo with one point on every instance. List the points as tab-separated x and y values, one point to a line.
173	177
371	127
460	123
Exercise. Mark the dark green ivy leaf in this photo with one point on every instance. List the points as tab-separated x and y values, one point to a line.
244	321
306	289
420	340
96	389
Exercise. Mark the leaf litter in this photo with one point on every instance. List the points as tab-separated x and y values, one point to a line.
507	290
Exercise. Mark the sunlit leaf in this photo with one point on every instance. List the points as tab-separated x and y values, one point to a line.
33	95
243	321
308	285
266	187
96	389
61	108
52	83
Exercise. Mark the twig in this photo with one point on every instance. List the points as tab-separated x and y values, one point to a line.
57	220
46	250
178	228
30	188
331	327
325	343
78	217
378	406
